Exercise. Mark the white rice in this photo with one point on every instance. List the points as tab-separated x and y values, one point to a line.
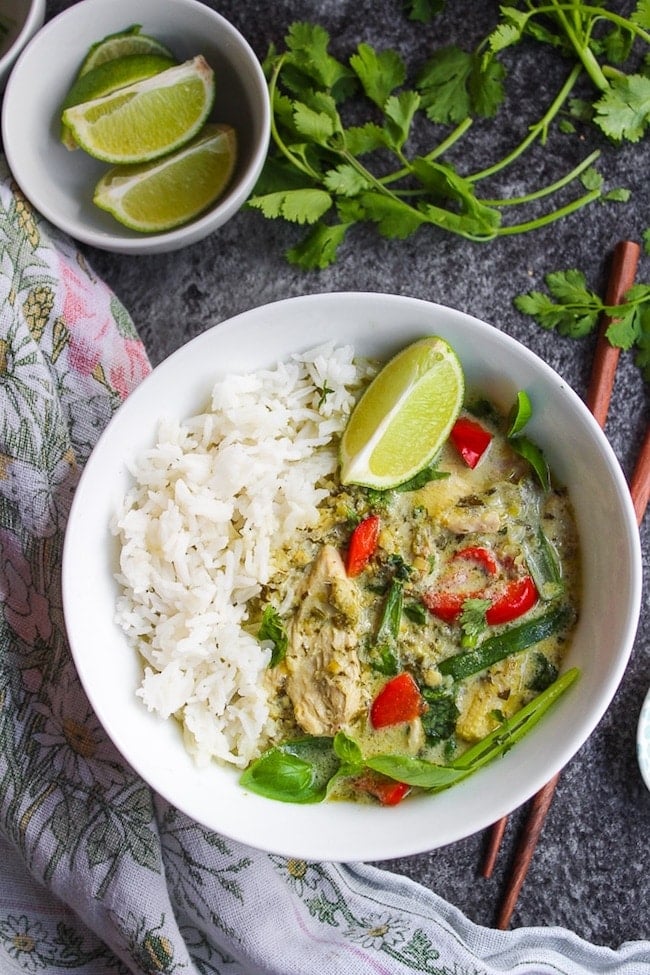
212	501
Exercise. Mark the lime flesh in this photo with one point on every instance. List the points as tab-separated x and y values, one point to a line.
148	119
109	77
404	417
171	191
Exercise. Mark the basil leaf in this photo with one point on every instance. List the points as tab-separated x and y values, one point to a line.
544	566
423	477
416	771
533	454
296	771
520	414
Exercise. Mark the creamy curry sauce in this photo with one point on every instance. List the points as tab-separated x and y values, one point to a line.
468	535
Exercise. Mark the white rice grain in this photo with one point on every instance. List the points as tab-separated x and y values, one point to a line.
212	501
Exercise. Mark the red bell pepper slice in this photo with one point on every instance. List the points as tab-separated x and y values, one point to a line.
470	439
446	606
519	596
398	701
484	557
387	791
362	545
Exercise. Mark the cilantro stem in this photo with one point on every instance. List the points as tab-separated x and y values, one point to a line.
548	218
367	175
434	154
534	131
547	190
598	13
277	138
582	49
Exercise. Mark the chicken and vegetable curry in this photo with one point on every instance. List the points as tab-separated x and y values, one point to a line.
419	631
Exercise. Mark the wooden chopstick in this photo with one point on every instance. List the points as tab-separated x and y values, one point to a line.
606	356
640	480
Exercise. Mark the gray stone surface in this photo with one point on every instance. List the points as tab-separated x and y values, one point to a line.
591	871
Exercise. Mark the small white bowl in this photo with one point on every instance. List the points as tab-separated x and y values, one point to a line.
60	183
22	19
643	740
376	325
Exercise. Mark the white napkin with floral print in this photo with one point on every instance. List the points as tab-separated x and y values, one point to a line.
98	874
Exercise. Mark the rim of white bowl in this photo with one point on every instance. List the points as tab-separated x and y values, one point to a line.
643	740
33	20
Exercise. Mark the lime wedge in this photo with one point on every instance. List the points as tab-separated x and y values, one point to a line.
173	190
109	77
121	44
147	119
404	416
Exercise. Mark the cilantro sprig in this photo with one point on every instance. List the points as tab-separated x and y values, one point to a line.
601	41
572	309
329	175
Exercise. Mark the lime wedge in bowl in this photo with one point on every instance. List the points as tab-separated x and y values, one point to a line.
171	191
404	417
147	119
110	76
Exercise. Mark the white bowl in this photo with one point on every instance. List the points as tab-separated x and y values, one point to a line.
60	183
22	19
377	325
643	741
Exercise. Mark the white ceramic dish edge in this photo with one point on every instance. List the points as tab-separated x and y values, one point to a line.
378	325
32	23
643	741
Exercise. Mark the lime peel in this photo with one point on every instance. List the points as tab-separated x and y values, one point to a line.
404	417
124	42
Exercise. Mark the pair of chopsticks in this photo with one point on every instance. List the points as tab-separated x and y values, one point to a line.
621	279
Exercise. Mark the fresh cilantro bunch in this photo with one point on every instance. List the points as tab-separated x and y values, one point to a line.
574	310
329	174
601	42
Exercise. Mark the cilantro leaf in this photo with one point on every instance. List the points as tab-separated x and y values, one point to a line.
623	111
642	358
641	14
319	249
623	331
576	310
472	620
423	10
345	180
442	84
400	111
317	126
298	206
393	218
571	287
379	73
455	85
272	630
362	139
308	46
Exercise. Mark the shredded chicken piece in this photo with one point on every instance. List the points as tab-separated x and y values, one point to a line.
324	682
